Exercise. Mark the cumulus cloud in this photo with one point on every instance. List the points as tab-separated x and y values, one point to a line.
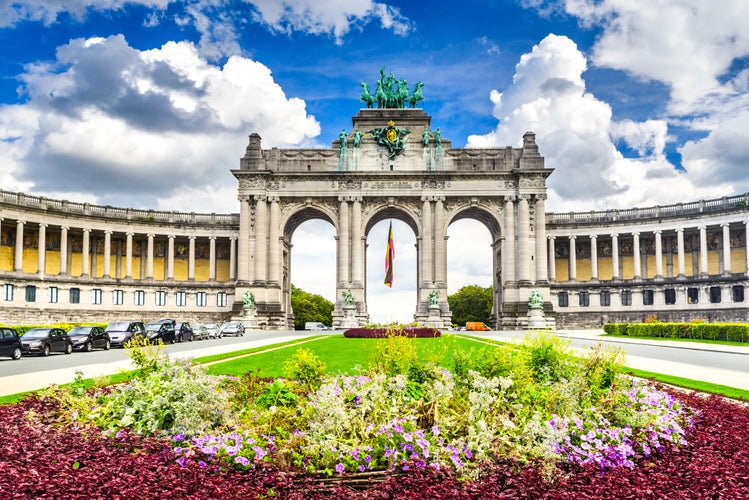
575	133
141	128
327	16
219	22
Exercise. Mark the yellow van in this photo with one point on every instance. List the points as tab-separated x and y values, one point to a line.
476	326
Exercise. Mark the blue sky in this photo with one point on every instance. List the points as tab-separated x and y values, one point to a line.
634	103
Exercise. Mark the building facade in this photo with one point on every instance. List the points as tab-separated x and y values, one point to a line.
67	261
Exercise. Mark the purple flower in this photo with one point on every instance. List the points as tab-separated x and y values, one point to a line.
339	468
242	460
182	461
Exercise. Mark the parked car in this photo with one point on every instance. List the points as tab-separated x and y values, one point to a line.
10	343
315	325
199	332
42	341
85	338
213	330
120	332
232	328
161	332
184	331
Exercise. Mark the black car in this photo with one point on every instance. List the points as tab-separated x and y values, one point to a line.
120	332
85	338
10	343
42	341
161	332
184	331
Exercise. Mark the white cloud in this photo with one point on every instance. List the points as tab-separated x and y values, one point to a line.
141	128
574	132
327	16
47	11
687	44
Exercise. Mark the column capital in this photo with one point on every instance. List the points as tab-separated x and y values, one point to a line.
67	228
212	237
702	227
679	230
593	236
192	237
43	224
524	196
171	236
273	198
510	198
150	235
550	237
725	224
636	234
20	221
657	232
260	197
614	235
233	238
86	230
540	197
108	232
130	234
572	237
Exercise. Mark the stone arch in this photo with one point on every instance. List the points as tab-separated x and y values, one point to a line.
384	211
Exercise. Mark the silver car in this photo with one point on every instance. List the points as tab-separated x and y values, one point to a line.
213	331
233	328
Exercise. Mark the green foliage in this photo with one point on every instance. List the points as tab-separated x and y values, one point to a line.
309	307
145	356
471	303
732	332
546	356
305	367
276	393
396	354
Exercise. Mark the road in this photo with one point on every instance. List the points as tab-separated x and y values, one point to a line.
725	365
35	372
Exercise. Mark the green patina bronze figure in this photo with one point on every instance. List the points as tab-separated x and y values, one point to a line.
536	299
357	137
391	92
425	136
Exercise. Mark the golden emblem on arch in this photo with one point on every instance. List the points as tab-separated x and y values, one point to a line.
391	135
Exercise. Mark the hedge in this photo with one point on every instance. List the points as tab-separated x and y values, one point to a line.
734	332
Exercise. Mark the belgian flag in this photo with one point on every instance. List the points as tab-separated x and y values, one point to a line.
389	258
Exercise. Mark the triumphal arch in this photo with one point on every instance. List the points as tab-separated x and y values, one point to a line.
392	164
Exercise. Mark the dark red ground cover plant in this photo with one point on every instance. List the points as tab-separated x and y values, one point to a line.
42	459
381	333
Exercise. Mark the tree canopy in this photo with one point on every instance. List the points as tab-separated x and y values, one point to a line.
310	307
471	303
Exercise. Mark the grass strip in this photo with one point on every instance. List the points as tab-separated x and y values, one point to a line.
695	385
678	339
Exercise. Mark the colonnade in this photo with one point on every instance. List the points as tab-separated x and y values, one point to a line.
660	250
113	247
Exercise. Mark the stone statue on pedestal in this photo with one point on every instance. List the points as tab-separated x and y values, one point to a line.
248	299
434	297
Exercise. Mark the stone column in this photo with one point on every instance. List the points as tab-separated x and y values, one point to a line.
41	268
658	255
427	237
129	256
107	254
573	259
212	259
85	254
552	260
170	257
680	251
243	258
541	259
191	259
440	245
149	257
615	256
274	241
594	257
637	264
726	249
233	258
18	257
118	259
524	261
703	251
357	249
746	246
509	247
261	239
343	241
63	250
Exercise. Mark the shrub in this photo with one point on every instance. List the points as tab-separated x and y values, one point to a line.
305	367
400	331
546	355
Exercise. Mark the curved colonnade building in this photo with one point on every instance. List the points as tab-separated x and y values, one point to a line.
67	261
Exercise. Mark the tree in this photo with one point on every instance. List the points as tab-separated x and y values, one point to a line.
471	303
310	307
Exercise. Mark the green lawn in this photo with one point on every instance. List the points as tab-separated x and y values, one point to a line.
342	355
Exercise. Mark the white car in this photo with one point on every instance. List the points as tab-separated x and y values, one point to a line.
213	331
233	328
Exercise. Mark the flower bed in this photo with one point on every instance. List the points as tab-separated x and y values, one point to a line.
381	333
527	423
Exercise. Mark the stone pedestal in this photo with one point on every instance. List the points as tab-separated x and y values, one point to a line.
434	317
249	320
349	317
536	320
